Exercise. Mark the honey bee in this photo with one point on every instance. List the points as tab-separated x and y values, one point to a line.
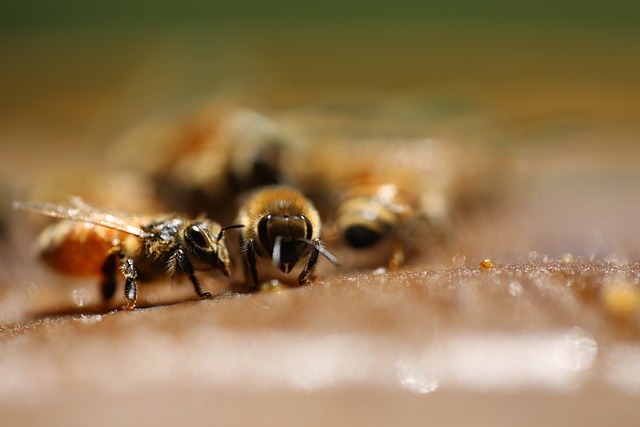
370	214
205	158
92	242
395	198
281	225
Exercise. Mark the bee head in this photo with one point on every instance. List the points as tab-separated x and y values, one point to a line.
285	238
204	242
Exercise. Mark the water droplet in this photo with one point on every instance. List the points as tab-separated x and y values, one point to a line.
578	350
566	258
459	260
379	271
86	318
415	377
515	289
533	256
80	296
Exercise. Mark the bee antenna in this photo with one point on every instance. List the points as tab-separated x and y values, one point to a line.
325	253
277	250
228	227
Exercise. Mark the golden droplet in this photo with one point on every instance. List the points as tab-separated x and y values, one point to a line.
274	285
486	264
621	297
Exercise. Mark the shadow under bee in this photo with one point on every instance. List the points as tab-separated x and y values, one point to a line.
101	309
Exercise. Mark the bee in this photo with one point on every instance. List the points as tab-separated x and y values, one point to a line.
281	225
91	242
370	214
389	200
205	158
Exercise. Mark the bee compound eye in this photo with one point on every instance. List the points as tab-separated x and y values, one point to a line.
195	234
263	234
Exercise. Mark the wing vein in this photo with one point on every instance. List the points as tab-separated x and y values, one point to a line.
84	213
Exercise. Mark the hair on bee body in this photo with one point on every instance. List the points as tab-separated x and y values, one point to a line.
90	241
283	226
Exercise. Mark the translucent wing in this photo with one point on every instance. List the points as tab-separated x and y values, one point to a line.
80	211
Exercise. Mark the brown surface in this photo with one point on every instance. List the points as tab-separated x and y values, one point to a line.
504	343
516	340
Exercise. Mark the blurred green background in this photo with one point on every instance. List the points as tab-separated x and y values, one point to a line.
77	71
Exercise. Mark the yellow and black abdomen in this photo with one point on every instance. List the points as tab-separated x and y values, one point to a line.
363	222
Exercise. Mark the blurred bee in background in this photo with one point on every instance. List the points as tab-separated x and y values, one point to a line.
282	226
389	199
92	242
202	161
373	212
383	198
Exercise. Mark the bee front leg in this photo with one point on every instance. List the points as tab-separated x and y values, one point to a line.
313	260
109	275
249	255
130	287
186	267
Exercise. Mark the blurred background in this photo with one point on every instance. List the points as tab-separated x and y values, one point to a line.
77	73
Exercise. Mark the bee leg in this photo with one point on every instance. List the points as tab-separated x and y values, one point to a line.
130	287
313	259
186	267
249	254
397	253
109	275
